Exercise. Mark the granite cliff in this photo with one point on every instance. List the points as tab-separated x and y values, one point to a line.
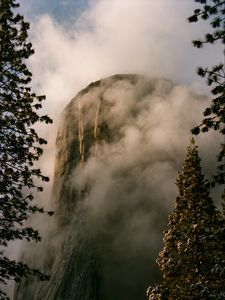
119	147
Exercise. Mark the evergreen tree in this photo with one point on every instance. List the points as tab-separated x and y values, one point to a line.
214	115
193	250
19	142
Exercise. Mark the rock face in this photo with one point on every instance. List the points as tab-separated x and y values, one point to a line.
117	159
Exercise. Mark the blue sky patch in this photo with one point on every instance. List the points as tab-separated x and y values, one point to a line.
63	11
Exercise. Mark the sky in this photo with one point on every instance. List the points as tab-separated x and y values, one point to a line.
62	10
77	42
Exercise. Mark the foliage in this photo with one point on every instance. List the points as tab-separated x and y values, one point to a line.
20	145
214	115
192	260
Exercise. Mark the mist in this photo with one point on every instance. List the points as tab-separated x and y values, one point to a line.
114	37
120	145
131	178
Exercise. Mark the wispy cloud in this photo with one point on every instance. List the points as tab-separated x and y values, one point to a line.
130	36
138	36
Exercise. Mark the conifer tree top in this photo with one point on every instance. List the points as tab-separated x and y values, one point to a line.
192	243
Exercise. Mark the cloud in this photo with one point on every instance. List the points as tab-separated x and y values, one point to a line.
136	36
111	37
119	198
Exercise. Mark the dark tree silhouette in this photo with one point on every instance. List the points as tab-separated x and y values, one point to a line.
213	11
20	145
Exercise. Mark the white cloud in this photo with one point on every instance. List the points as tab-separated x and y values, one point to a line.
123	36
136	36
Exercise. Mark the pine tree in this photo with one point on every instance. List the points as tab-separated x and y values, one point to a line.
214	12
19	142
193	249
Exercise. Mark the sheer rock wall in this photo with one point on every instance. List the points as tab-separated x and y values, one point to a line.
112	190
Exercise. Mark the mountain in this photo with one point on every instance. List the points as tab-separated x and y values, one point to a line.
119	146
